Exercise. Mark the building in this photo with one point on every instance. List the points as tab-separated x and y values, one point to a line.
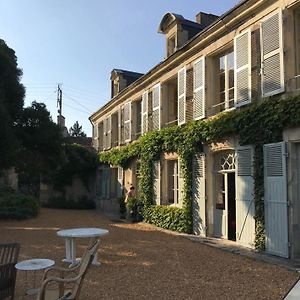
213	65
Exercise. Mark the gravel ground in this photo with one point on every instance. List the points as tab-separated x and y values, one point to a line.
141	262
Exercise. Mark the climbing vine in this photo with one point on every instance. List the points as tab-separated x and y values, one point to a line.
257	124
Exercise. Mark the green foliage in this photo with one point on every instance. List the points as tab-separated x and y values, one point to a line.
76	130
17	206
61	202
257	124
133	203
41	139
168	217
12	94
77	162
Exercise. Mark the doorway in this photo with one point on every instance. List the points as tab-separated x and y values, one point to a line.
225	212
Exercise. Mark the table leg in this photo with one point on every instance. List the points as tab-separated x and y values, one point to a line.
68	250
73	251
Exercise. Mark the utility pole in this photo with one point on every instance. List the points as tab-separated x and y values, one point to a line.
59	100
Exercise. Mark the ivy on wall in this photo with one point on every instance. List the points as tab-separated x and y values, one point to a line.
257	124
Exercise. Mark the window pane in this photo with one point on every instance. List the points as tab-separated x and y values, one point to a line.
231	78
230	61
222	63
220	186
222	82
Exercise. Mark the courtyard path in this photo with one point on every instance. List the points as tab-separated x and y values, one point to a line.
141	262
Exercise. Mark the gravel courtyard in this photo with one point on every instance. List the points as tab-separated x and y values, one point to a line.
140	262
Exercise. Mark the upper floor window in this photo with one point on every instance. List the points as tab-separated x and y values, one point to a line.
224	92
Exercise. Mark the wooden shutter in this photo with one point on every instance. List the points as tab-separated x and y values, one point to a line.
242	68
145	112
156	95
127	122
104	134
199	89
156	183
181	96
199	197
272	55
108	132
245	206
120	181
276	206
95	136
180	184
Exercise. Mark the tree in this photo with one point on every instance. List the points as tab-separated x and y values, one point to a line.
12	94
76	130
40	148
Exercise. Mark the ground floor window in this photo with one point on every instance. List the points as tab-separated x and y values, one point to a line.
173	189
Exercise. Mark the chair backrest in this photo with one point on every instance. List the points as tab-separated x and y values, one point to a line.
8	258
85	262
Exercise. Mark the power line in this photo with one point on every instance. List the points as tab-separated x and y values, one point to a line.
70	106
77	102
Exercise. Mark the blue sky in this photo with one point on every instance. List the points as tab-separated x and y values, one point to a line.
78	42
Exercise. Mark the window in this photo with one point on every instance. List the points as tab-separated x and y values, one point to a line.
224	95
173	191
138	118
115	88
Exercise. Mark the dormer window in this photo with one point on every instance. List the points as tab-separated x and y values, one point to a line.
115	88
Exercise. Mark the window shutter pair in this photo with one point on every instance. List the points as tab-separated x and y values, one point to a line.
272	73
198	92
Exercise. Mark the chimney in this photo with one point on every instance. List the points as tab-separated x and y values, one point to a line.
205	19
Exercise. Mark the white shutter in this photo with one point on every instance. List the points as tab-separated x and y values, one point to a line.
145	112
245	206
181	96
120	182
199	89
119	126
108	133
104	134
272	55
242	68
199	205
156	95
180	184
95	136
127	122
276	206
156	182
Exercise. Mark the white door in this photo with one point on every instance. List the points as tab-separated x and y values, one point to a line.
276	206
245	206
220	223
199	205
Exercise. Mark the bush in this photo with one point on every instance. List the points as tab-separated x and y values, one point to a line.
168	217
17	206
61	202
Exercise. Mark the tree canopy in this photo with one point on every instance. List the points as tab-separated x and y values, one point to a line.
76	130
12	94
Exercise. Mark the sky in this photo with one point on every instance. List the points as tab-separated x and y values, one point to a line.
76	43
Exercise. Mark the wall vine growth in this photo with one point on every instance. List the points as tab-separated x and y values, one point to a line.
257	124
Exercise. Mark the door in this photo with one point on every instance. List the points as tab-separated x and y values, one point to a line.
220	226
199	199
245	206
276	206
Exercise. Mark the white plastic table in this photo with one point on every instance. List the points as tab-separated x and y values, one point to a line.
34	265
71	234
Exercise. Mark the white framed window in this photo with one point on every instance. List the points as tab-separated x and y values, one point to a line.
224	78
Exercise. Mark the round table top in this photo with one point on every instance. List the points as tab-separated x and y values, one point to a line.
82	232
35	264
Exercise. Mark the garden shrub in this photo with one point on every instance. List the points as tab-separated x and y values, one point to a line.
17	206
82	202
167	217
